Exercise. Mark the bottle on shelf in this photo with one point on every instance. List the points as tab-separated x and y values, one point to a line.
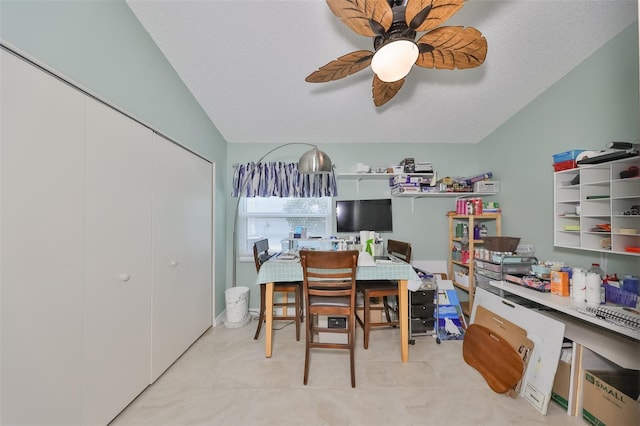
595	268
476	232
483	231
598	289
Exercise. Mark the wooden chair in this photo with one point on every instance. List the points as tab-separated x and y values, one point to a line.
329	282
261	255
384	289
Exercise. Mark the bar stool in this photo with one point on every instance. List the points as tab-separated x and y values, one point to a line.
384	289
261	255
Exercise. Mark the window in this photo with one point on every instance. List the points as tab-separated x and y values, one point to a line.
274	218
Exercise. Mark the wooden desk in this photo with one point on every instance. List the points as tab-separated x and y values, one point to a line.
277	271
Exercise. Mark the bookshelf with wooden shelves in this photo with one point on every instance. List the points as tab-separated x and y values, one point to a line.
461	271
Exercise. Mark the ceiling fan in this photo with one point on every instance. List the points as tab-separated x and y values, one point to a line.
394	25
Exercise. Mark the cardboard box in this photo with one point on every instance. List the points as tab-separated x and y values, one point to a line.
474	179
375	315
610	397
559	283
423	166
323	321
560	391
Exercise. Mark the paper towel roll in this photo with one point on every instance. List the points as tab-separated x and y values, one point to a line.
579	285
364	236
594	282
584	155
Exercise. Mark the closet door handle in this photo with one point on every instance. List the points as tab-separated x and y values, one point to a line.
173	263
124	277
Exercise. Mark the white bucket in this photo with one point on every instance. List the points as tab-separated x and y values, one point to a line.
237	303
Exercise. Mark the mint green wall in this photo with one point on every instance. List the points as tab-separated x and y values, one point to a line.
422	221
101	46
594	104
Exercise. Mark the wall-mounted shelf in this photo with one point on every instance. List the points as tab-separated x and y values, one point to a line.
444	194
595	209
376	176
413	195
360	176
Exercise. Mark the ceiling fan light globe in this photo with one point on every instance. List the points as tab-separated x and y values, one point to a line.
393	61
314	161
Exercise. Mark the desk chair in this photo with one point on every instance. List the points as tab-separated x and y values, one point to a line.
384	289
261	255
329	282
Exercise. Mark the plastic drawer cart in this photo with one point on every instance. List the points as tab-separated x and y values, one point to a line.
435	310
422	308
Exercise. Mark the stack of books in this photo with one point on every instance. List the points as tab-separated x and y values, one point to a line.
409	184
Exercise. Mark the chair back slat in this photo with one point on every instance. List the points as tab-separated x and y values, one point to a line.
260	252
399	249
329	273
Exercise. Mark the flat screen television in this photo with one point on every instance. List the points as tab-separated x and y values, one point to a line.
364	215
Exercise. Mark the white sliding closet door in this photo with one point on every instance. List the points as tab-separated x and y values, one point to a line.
117	291
182	250
41	246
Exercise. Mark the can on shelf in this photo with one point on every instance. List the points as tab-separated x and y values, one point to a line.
477	205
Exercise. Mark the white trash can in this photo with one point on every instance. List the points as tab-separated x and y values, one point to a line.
237	304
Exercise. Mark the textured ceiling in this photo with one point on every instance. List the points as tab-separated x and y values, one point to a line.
246	61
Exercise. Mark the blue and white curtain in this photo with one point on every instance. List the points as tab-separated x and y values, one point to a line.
279	179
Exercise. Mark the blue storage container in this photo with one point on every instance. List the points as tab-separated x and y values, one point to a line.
567	155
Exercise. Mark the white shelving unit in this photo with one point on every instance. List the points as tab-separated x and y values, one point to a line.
593	208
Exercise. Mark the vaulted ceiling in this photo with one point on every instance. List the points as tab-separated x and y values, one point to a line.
245	61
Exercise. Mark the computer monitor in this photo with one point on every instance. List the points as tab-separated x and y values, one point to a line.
364	215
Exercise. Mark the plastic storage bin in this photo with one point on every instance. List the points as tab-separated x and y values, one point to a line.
564	165
501	244
567	155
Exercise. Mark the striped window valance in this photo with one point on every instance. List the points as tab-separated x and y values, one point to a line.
279	179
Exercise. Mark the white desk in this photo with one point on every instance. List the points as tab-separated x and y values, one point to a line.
562	304
617	343
276	271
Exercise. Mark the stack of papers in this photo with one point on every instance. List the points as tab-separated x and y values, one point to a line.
387	259
286	257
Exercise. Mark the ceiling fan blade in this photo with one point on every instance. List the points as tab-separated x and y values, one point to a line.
452	47
369	18
383	91
342	67
424	15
